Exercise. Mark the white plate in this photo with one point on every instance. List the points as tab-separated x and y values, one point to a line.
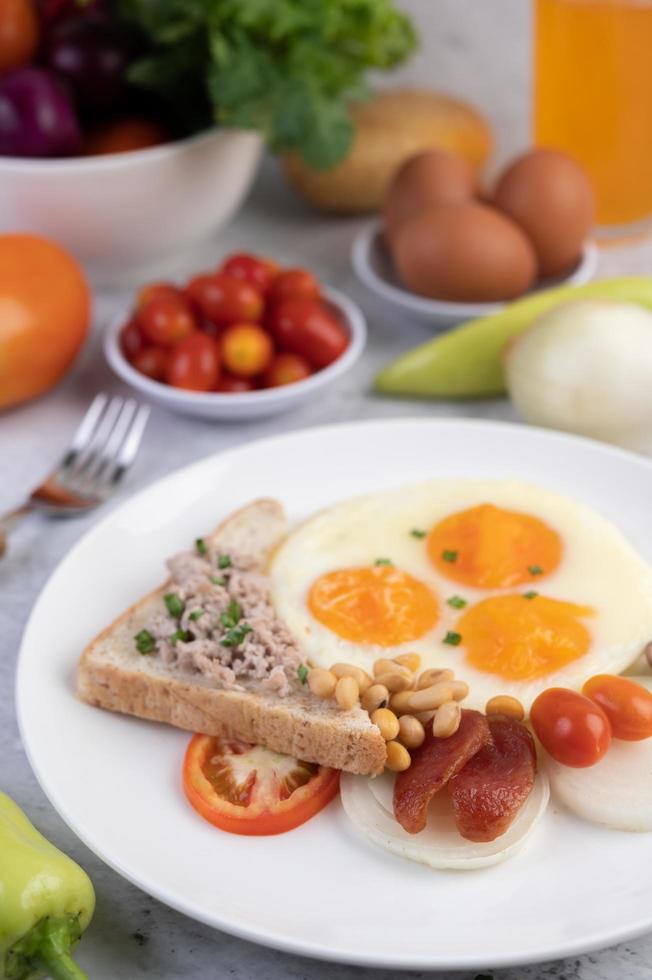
374	267
246	404
321	890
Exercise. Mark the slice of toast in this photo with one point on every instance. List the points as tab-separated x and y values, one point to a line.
112	674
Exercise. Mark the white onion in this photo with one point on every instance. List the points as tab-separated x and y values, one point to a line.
586	367
368	803
617	791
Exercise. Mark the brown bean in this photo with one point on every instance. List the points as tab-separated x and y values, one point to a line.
388	723
431	697
322	682
411	732
447	719
347	692
398	757
399	702
376	696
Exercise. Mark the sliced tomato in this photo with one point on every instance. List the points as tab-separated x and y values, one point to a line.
246	789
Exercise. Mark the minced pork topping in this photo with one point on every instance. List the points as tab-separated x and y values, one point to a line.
217	619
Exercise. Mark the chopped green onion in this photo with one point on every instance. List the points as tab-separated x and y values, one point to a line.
235	636
302	673
196	613
383	561
145	642
417	533
200	545
184	635
449	555
535	570
530	595
174	604
453	639
456	601
224	561
232	616
218	580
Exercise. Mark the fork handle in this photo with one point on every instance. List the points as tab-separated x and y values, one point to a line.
8	520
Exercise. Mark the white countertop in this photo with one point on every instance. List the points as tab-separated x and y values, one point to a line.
132	935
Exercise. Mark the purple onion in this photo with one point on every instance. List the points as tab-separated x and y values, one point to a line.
92	54
36	116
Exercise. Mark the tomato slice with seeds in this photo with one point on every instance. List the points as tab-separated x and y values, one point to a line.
247	789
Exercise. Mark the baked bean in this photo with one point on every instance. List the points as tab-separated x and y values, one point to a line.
347	692
447	719
387	721
322	682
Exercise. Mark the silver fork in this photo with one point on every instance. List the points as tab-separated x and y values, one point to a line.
102	450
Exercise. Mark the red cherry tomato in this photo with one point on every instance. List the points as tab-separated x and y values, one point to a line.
224	300
252	269
131	339
165	320
246	789
572	729
156	289
294	283
285	369
308	328
230	384
194	363
151	361
627	705
246	349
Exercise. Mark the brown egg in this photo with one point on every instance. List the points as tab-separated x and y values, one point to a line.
550	196
467	252
427	180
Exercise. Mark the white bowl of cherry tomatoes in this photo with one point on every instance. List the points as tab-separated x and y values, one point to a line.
244	341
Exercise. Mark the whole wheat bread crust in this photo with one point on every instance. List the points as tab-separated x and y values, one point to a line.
301	726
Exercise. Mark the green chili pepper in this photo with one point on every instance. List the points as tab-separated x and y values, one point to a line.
46	902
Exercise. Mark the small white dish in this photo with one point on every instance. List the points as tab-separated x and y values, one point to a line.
236	406
374	267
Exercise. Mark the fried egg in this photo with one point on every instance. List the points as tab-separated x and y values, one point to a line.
514	586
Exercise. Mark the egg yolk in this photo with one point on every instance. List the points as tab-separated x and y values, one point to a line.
381	605
487	547
521	639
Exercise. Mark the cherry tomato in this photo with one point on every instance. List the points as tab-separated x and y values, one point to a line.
294	283
123	135
230	384
627	705
131	339
308	328
246	789
157	289
165	320
224	300
19	33
151	361
194	363
252	269
246	349
285	369
572	728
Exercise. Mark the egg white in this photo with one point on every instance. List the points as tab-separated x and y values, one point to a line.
599	568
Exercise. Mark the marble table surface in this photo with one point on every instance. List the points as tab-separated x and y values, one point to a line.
132	935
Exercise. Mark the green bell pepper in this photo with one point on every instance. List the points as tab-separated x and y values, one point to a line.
46	902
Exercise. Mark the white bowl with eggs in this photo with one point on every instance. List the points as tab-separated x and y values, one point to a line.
125	215
237	406
374	267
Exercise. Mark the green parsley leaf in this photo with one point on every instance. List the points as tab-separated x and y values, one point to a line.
218	580
449	555
535	570
530	595
302	673
174	604
224	561
145	642
196	614
233	614
184	635
235	636
416	533
457	602
453	639
384	561
200	545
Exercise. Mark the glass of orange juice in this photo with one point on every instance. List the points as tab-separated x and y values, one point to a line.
593	98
